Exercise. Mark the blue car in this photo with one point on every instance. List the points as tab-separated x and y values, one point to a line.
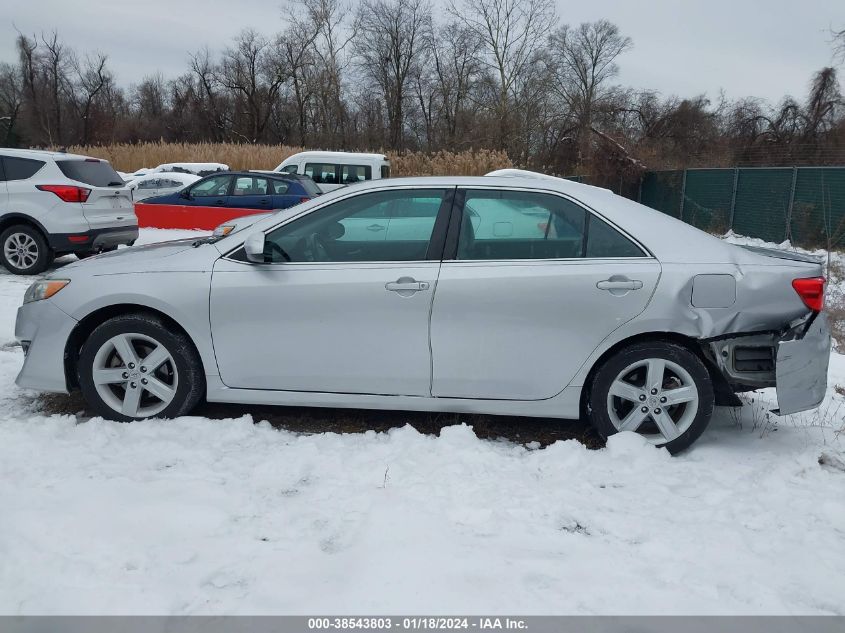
243	190
223	196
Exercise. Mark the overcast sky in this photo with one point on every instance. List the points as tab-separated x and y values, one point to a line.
763	48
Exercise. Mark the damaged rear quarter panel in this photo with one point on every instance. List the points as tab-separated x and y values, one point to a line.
765	301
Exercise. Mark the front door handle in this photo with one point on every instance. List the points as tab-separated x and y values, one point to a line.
619	284
406	286
375	227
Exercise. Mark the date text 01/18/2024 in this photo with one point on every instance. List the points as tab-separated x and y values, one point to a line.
416	623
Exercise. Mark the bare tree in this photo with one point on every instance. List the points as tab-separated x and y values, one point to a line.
253	73
296	46
585	61
512	32
838	45
57	62
11	101
456	51
392	37
207	96
335	33
92	80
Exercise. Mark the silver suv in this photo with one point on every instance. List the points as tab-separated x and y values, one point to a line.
52	203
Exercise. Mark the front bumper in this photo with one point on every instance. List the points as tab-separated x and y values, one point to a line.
93	240
803	355
43	330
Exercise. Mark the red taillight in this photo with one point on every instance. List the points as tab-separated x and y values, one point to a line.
68	193
304	199
811	291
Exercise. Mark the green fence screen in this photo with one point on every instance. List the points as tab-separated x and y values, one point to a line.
708	194
805	205
661	190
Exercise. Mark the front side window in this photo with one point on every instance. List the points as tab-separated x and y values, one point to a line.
378	226
290	169
212	187
250	186
322	173
21	168
355	173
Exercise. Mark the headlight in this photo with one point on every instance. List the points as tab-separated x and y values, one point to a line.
44	289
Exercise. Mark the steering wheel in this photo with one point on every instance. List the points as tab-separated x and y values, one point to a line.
316	249
275	249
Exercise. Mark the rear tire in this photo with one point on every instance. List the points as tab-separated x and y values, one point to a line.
24	251
135	366
660	390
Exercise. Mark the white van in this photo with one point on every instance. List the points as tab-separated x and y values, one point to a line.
331	170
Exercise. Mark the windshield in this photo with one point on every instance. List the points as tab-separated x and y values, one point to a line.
97	173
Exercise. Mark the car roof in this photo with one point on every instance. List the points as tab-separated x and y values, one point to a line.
347	155
247	172
40	154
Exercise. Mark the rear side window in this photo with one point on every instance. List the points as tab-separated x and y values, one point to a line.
605	241
322	173
310	188
97	173
355	173
520	225
21	168
279	187
385	171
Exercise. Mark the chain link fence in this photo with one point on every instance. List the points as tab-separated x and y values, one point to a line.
805	205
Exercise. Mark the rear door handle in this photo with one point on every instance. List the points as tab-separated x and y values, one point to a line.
619	285
613	284
406	286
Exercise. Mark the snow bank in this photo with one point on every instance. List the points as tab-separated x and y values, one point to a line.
197	516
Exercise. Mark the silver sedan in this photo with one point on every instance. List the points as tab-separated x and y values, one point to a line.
496	294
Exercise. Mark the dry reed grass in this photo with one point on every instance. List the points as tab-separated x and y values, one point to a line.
129	157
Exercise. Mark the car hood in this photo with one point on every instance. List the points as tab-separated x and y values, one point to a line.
147	258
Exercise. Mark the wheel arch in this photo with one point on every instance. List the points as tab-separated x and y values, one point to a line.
91	321
721	388
12	219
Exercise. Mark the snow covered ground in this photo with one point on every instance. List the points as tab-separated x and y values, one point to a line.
200	516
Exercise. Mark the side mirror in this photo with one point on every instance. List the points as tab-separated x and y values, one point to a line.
254	248
185	194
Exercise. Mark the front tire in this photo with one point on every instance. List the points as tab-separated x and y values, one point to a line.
24	251
660	390
134	367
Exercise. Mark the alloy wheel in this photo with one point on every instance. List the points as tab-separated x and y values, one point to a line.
135	375
654	397
21	250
